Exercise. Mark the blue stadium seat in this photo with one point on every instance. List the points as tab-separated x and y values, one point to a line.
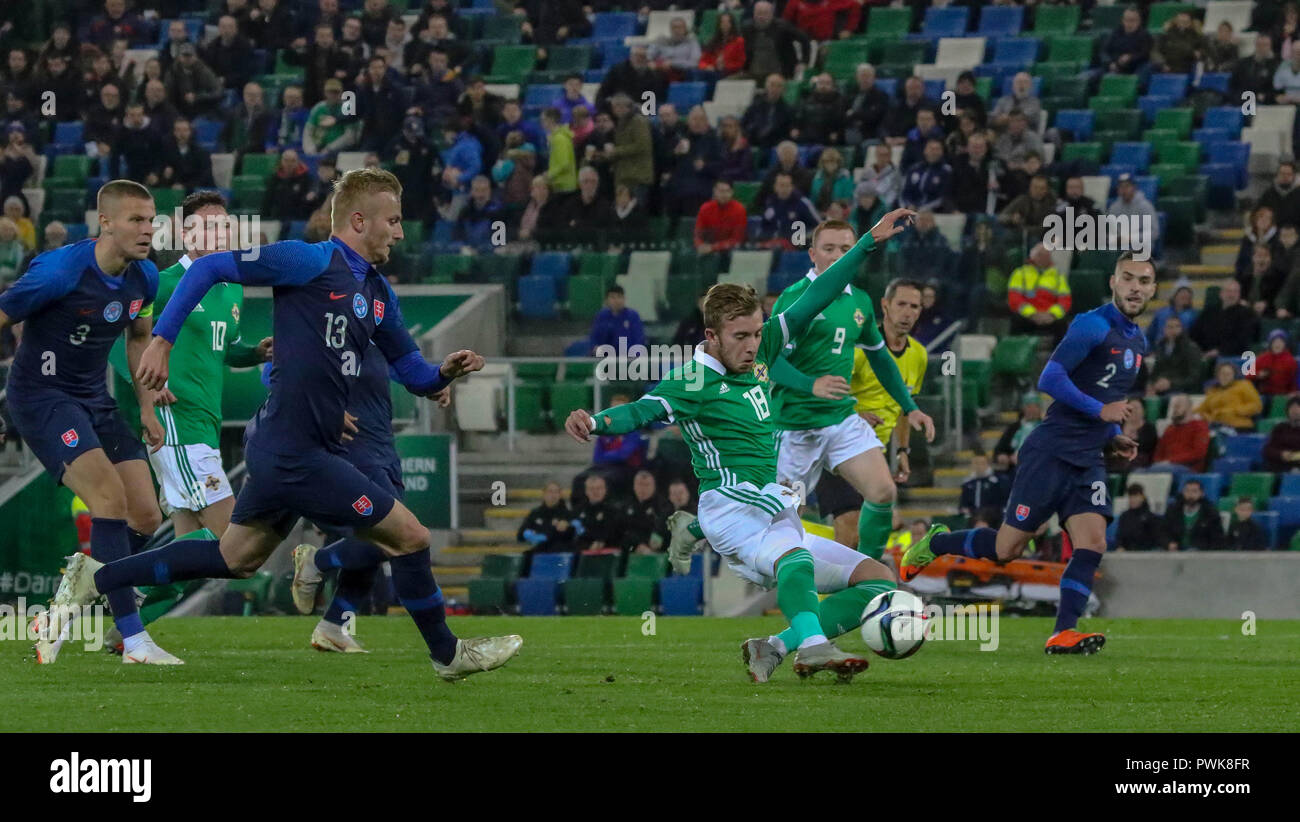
1250	446
1290	485
1113	170
1212	135
888	85
686	96
1148	185
782	278
1238	154
681	596
537	297
945	22
207	132
538	597
551	566
1271	522
1222	181
792	262
1150	104
297	229
70	136
1231	465
613	25
1215	81
77	232
553	264
542	94
596	75
1007	83
755	227
1168	85
1021	52
1288	509
1079	122
1133	154
613	53
1225	117
934	88
1211	484
1000	21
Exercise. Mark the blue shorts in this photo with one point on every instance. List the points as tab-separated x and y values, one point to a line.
59	428
320	486
1045	484
387	476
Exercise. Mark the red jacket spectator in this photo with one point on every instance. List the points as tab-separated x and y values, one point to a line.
732	53
819	17
1277	373
1186	443
721	226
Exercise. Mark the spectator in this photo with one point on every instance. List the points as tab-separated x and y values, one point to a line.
1177	359
1285	34
955	142
17	74
586	217
1288	300
375	17
17	162
186	164
104	119
770	45
787	215
1275	368
677	52
901	117
515	170
393	49
884	175
972	175
1221	51
195	89
352	47
412	159
271	25
1180	45
631	154
462	160
1017	142
1030	210
820	116
1137	428
1180	306
159	109
725	51
328	129
629	222
927	129
1139	528
1193	524
138	155
1228	328
435	35
769	119
178	34
1261	230
598	522
616	325
12	252
1256	72
562	171
16	113
541	221
1021	99
1262	284
1230	401
571	97
1013	436
1185	445
380	105
690	331
925	252
832	180
249	123
615	458
1245	534
868	107
475	225
1282	449
679	495
1283	196
1038	295
287	188
737	159
787	162
667	132
645	517
321	61
697	164
116	23
1129	48
1076	199
557	22
1286	82
929	182
230	54
932	321
583	126
1133	203
867	207
437	90
982	488
291	122
633	77
57	77
721	223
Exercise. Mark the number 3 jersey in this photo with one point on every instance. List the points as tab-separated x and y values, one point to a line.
72	313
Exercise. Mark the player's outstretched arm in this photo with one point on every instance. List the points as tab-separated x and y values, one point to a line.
617	420
1084	334
827	386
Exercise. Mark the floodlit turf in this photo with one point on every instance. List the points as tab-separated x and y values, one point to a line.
592	674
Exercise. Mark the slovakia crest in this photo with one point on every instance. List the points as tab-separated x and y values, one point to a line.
136	305
363	506
359	306
379	311
1128	358
70	438
1022	512
113	311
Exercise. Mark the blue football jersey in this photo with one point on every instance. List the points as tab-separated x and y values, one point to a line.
1101	354
73	313
329	303
371	403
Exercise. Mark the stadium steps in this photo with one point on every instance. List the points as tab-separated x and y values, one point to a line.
947	479
1227	235
502	517
486	536
1224	254
1194	271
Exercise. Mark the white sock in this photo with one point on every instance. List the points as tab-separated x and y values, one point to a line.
777	643
133	643
815	639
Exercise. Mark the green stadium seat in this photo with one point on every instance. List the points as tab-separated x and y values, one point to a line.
746	192
1257	485
584	596
984	88
1015	356
511	64
1096	259
1156	136
259	165
72	167
706	25
684	292
1101	103
1266	425
976	375
256	590
569	396
1277	406
1089	288
905	52
505	566
450	268
1180	228
1073	88
568	59
843	57
1187	155
1092	152
167	200
1178	119
537	371
634	596
1119	85
1160	13
593	263
491	592
1056	20
647	566
1108	138
1127	120
586	296
1192	186
1107	18
499	29
1154	407
1066	48
888	21
530	407
1295	542
1063	68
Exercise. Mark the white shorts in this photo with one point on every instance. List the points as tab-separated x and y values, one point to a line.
753	527
803	455
191	476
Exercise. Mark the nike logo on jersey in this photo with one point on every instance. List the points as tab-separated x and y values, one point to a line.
1114	351
334	296
86	312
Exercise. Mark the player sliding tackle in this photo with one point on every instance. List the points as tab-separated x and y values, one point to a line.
722	401
330	303
1062	470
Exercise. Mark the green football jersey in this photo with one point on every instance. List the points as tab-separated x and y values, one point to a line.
197	367
826	347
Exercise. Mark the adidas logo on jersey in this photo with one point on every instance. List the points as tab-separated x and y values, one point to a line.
197	308
723	389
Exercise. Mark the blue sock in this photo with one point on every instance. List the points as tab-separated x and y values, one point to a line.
1076	585
422	599
354	586
137	540
349	554
109	541
174	562
976	543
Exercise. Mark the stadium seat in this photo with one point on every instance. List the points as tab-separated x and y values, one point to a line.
537	297
949	21
1071	89
1205	136
553	264
1224	117
1105	19
584	596
70	170
1070	49
1124	86
1019	52
1001	21
492	592
1160	13
1015	356
905	52
501	30
1089	288
843	57
586	296
1090	152
889	21
1290	486
1079	123
537	593
1126	120
1150	105
1134	154
1211	485
1256	485
530	407
612	25
686	96
1214	81
681	596
1167	85
1056	19
1228	466
1155	486
569	396
1178	119
597	264
70	136
1186	155
511	64
1234	153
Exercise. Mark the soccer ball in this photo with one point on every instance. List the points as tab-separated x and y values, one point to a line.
894	624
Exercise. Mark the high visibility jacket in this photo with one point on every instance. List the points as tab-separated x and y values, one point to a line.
1030	291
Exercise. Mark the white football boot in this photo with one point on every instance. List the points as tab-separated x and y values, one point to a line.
306	578
483	653
327	636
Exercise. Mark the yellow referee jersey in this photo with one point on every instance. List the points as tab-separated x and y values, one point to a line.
871	395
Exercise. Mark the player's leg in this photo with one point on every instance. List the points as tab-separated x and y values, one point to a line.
855	453
187	522
356	563
142	513
216	517
839	501
1084	515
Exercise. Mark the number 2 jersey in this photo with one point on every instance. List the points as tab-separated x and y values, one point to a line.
1096	363
73	313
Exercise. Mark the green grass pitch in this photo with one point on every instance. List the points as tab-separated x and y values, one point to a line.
604	674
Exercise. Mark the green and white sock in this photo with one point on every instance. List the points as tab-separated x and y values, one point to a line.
841	612
875	522
796	596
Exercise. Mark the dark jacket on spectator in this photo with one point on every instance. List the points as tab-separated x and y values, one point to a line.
867	112
631	81
784	35
1253	74
137	155
821	117
644	520
1245	536
1207	530
1137	45
1230	330
545	520
233	63
286	194
1179	363
1140	530
1283	437
767	123
927	185
598	522
970	184
191	168
983	492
